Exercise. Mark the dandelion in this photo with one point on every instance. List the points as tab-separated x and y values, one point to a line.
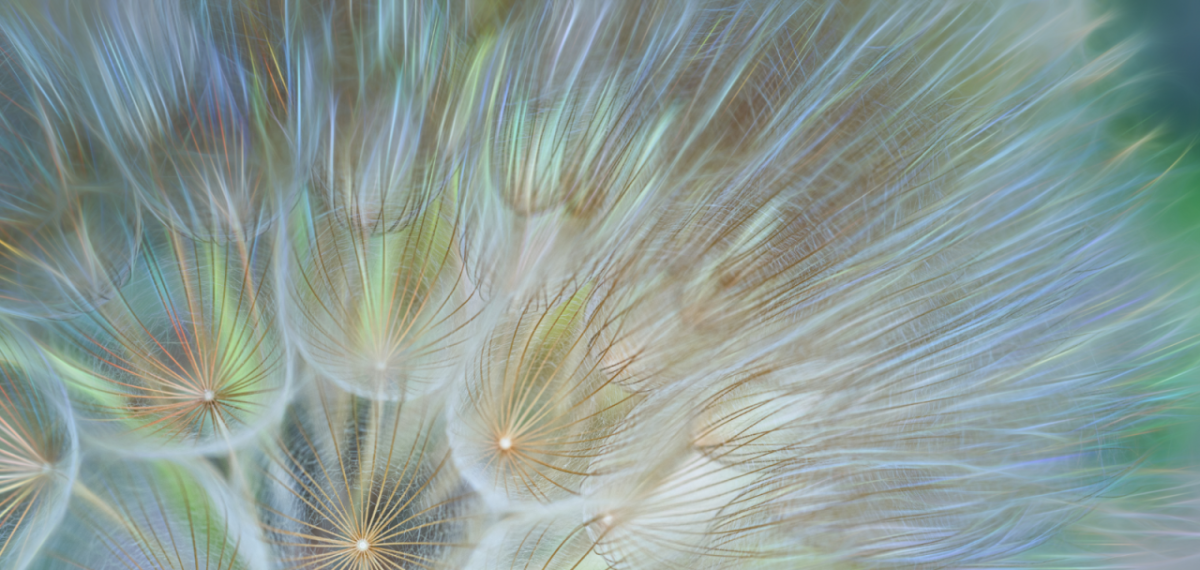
383	313
186	355
573	285
38	449
538	410
66	238
151	515
352	483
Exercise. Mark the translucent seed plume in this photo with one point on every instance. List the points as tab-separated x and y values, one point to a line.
38	448
187	356
580	285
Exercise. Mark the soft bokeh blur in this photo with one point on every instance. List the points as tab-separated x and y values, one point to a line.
1156	112
1160	101
1156	108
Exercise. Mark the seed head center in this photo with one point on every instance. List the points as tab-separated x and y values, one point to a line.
363	545
505	443
208	396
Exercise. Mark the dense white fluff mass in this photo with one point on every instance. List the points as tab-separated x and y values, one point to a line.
633	285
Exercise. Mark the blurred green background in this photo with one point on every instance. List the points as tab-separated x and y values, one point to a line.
1160	96
1156	100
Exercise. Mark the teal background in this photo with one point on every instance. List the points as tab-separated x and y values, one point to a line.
1156	100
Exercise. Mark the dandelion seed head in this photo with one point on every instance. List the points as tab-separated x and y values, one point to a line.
628	285
396	493
166	497
194	322
38	447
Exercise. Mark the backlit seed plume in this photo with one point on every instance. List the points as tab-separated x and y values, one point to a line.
552	540
131	515
536	409
572	139
379	300
379	85
226	161
123	69
352	483
38	448
580	285
187	356
197	128
383	312
67	235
